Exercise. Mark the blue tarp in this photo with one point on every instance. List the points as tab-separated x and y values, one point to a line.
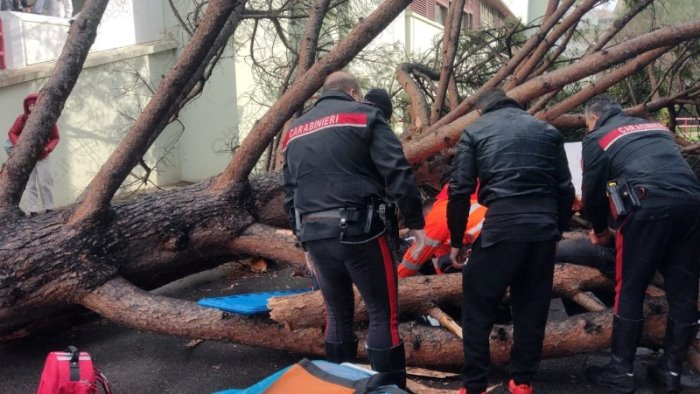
247	304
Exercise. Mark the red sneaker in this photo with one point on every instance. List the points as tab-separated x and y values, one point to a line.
519	388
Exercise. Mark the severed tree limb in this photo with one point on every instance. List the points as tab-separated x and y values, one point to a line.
418	294
602	84
247	155
309	43
221	16
589	303
452	93
37	129
124	303
447	136
450	40
445	320
570	22
128	305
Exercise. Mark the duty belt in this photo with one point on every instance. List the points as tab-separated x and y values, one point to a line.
353	215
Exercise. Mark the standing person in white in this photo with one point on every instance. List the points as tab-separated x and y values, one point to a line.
40	181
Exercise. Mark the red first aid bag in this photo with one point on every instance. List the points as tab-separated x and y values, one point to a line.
71	372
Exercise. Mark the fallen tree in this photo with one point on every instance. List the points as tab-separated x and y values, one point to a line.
104	255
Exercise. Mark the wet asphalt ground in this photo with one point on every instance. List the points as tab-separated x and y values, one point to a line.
137	362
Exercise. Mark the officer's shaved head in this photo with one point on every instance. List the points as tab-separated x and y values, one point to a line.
343	81
600	104
596	107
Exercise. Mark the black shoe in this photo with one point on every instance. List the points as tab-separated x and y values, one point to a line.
611	377
669	380
390	365
340	352
678	337
618	375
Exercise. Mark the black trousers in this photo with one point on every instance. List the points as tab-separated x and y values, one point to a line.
370	266
528	268
664	237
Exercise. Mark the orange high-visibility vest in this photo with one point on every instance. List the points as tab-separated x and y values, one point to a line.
438	235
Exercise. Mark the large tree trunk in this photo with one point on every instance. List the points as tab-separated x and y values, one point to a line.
426	346
419	293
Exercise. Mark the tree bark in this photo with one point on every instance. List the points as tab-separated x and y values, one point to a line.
417	294
417	105
151	240
119	301
449	49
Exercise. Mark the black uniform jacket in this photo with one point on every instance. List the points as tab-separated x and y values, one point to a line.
337	155
524	177
637	151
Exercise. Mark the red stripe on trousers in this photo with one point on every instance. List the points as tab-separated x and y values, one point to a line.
391	290
618	267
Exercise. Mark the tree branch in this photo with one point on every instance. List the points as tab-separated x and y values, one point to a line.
450	40
309	43
417	104
602	84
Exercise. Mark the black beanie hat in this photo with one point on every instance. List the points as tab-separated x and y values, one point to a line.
380	99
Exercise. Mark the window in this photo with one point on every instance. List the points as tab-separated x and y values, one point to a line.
467	22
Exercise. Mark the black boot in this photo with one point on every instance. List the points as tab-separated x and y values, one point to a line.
677	340
618	375
340	352
390	365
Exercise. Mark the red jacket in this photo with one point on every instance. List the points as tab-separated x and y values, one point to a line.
18	126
